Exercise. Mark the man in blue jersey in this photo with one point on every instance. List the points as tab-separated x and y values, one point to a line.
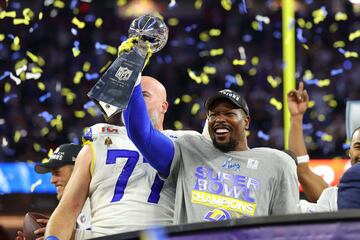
221	178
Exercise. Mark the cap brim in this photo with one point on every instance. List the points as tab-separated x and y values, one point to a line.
48	166
217	96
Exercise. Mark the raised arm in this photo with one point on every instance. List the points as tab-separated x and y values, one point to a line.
63	220
154	146
312	184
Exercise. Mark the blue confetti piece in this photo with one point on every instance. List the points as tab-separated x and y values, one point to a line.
90	18
175	43
76	140
46	116
91	76
89	104
263	136
314	81
190	28
5	74
260	26
16	55
299	35
159	59
74	31
307	126
346	146
335	72
123	38
44	150
172	4
319	134
242	7
76	44
277	34
44	97
190	41
11	36
347	65
73	4
9	97
100	46
168	59
1	46
230	80
200	45
15	5
247	38
341	50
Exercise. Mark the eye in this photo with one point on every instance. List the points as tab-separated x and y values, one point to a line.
230	114
212	116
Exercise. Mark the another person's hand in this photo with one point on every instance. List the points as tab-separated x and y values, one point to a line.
298	100
41	231
20	235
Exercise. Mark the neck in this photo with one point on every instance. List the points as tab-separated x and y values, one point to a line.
242	146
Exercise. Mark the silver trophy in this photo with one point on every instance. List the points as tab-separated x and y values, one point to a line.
113	90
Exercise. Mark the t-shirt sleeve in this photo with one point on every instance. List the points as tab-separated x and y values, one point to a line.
286	197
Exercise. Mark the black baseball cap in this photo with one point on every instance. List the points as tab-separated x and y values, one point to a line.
65	154
228	94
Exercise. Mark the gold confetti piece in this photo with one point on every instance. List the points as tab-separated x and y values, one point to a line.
35	184
36	70
105	67
112	50
36	147
204	78
255	25
20	64
239	62
178	125
333	27
195	108
18	21
173	22
41	15
247	133
177	101
319	15
323	83
7	87
59	4
186	98
209	70
32	56
252	71
28	14
198	4
354	35
333	103
328	97
41	86
70	96
92	111
308	139
78	23
350	54
15	46
44	131
226	4
274	82
301	22
193	76
276	104
10	14
98	22
2	37
341	16
255	61
204	36
57	122
86	66
215	32
305	46
121	3
79	114
76	52
17	136
308	75
308	25
239	80
326	137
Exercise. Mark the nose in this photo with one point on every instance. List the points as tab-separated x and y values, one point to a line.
220	118
53	179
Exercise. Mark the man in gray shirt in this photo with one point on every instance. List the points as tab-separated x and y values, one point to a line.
222	178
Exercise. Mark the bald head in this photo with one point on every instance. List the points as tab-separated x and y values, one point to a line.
155	97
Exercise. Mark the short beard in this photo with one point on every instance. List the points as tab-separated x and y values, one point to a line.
226	147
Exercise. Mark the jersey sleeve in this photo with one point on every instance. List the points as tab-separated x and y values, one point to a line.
286	196
154	146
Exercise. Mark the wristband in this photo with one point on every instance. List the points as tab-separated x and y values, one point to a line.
51	238
303	159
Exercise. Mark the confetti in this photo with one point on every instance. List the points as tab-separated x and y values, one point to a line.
277	104
46	116
263	136
35	184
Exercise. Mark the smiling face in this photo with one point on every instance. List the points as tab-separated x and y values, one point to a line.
60	177
227	125
354	151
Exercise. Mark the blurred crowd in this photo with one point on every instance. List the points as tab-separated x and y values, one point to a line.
210	47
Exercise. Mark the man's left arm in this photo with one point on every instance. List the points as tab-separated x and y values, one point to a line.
63	220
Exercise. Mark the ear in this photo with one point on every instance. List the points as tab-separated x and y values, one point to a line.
247	122
164	106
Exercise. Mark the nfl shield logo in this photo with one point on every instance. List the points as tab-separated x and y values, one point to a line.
123	73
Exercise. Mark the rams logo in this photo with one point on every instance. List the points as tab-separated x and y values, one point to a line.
217	215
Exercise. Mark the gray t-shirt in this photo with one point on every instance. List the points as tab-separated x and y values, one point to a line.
213	185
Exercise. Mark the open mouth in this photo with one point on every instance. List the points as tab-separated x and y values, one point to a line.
221	130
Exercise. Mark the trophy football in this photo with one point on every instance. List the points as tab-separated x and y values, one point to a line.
112	91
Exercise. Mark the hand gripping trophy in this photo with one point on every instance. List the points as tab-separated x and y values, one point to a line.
147	34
